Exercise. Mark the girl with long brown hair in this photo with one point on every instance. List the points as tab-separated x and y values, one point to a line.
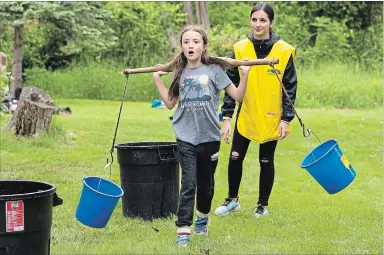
196	87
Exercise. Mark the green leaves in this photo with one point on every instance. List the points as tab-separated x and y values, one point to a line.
142	28
140	34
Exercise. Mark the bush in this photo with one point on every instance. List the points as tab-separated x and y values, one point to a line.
93	82
338	85
322	85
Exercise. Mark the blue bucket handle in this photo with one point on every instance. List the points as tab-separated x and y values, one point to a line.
307	134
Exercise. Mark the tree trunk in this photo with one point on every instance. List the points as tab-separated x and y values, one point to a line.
204	14
169	31
172	40
188	11
33	115
198	15
17	58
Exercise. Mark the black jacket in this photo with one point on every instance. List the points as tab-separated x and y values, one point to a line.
262	49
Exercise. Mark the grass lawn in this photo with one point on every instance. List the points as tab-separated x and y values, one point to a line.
304	218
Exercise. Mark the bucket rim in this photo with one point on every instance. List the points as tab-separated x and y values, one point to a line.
326	153
108	195
35	194
145	145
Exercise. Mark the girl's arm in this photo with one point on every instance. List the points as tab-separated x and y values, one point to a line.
238	93
163	90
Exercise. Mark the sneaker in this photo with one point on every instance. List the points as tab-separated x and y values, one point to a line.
261	211
229	205
182	240
201	226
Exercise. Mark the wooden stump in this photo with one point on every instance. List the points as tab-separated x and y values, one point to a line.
33	114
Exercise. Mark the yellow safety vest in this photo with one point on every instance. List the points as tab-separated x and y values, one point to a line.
261	110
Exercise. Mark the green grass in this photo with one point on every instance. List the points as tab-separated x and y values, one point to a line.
304	218
328	84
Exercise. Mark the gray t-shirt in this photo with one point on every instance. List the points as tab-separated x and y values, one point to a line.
196	120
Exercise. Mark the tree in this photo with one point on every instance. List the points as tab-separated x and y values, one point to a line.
202	17
82	22
81	32
202	14
188	12
146	31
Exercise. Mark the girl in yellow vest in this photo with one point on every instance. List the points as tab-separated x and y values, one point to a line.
264	115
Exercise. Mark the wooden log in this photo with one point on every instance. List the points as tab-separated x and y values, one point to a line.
33	115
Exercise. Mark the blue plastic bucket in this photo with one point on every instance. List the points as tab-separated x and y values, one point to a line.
97	202
330	168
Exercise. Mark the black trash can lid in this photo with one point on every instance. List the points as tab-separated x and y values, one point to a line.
24	189
145	145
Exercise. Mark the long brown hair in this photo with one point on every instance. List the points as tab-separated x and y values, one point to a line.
181	60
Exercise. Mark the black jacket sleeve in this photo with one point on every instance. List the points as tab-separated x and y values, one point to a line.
290	84
229	104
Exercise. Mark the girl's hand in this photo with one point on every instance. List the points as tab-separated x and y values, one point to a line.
227	131
125	72
159	73
245	69
283	130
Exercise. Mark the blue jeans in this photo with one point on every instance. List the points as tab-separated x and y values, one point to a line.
198	165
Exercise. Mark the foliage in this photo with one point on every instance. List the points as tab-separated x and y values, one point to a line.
5	78
333	30
325	84
6	42
143	28
331	43
137	34
76	31
222	37
96	82
232	13
321	31
367	47
339	86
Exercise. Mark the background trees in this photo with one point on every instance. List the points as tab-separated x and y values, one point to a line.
58	35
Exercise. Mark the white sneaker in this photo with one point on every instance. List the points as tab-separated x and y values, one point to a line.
261	211
229	205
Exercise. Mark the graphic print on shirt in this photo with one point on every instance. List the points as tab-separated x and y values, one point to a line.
194	92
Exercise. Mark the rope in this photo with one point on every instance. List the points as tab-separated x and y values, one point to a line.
307	132
117	126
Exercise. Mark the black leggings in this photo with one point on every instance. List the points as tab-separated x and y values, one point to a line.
198	165
267	167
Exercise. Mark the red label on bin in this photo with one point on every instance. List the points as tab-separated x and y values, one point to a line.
14	213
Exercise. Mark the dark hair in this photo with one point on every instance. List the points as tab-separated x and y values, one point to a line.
266	8
181	60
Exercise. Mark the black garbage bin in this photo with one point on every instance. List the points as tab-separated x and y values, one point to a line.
26	216
149	175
